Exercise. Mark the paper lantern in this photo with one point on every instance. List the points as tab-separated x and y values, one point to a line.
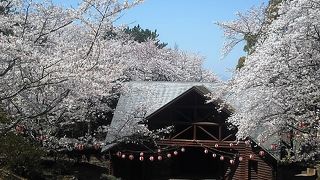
41	138
80	147
216	145
151	158
20	128
231	161
131	157
96	146
118	154
274	146
183	149
123	156
175	153
302	124
240	158
159	158
159	150
221	158
141	153
231	144
169	155
214	155
206	151
141	158
261	153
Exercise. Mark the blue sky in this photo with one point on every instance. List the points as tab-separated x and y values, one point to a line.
190	25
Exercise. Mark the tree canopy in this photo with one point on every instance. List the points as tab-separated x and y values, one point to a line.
58	70
143	35
277	91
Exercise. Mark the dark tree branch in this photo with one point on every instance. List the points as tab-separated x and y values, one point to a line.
10	66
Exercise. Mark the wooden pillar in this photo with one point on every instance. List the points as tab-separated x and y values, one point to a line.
110	165
242	169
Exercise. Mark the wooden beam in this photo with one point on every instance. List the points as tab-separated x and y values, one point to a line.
194	132
206	123
208	133
227	137
199	143
181	132
220	133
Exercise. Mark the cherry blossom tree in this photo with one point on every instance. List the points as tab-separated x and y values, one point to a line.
277	92
58	68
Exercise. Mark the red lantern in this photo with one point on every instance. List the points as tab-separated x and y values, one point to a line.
141	158
118	154
131	157
206	151
123	156
261	153
214	155
183	149
221	158
274	146
159	158
96	146
151	158
302	124
20	128
216	145
42	138
141	153
231	161
169	155
175	153
80	147
240	158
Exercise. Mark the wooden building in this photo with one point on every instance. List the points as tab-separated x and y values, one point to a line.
202	145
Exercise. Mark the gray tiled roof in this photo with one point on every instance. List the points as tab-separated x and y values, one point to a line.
146	97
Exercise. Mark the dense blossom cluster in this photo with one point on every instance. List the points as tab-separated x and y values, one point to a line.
58	67
278	90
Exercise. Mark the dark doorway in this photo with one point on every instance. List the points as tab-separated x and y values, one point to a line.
195	164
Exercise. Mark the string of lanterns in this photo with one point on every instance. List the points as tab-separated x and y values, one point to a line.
160	154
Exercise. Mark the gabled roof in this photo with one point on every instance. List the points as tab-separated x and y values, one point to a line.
142	98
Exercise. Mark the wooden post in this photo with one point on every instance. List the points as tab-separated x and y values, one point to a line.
110	167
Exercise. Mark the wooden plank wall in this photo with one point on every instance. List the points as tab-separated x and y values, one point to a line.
264	170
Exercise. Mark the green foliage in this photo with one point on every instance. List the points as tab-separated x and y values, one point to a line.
3	117
20	155
272	10
251	40
142	35
241	62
